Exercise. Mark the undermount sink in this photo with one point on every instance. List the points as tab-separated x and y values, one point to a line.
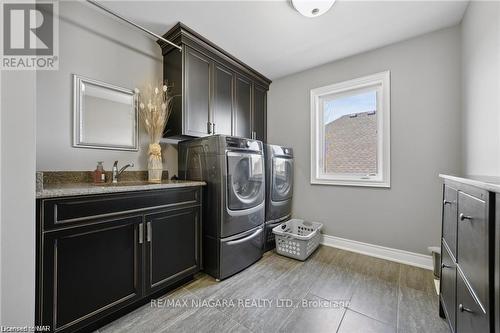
127	183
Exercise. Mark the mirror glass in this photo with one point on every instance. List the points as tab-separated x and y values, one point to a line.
105	116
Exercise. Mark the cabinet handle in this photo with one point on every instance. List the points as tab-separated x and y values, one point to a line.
446	202
464	217
150	232
197	239
141	233
462	308
446	266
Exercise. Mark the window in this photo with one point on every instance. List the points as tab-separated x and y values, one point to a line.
350	132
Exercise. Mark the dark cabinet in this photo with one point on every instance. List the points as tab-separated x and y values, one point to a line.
473	245
448	285
216	93
259	113
470	315
450	218
173	235
98	255
223	100
91	271
196	93
243	114
467	260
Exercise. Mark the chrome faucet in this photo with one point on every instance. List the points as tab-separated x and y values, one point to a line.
117	172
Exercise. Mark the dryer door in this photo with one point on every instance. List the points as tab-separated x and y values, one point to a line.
245	180
281	178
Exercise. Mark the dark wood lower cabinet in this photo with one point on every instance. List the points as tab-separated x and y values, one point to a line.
471	317
173	235
448	286
89	271
468	256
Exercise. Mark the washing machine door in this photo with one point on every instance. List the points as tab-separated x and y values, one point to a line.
245	180
282	178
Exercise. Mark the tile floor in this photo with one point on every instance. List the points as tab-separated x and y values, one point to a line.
333	291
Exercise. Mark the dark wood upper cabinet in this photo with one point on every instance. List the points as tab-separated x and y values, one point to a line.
243	114
223	100
196	95
259	120
215	92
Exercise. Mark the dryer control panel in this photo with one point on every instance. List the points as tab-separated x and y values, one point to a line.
242	143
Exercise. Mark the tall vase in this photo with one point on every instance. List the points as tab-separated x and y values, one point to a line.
155	165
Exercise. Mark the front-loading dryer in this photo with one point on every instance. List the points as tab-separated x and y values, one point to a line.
234	199
279	189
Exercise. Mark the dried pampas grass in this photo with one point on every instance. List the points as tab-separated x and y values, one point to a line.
155	107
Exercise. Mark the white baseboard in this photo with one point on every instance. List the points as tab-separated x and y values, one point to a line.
400	256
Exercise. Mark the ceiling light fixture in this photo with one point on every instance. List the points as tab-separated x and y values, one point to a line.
312	8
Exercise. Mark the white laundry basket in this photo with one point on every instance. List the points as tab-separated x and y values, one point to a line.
297	238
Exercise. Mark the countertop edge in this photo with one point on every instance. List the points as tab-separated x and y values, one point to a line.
95	189
483	184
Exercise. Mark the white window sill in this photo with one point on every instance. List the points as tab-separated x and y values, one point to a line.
352	182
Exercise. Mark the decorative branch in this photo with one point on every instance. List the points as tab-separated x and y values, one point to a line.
155	107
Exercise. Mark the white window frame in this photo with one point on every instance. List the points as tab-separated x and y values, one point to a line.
383	178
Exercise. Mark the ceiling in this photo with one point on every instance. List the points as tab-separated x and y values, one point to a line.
274	39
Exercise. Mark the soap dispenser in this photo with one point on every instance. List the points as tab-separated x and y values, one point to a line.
99	173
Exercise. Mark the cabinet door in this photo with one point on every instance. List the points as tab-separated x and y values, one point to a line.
172	247
91	271
223	100
450	218
473	244
448	286
259	113
172	73
470	315
196	93
242	121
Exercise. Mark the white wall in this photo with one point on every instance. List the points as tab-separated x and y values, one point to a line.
94	45
1	218
425	141
89	45
17	198
481	88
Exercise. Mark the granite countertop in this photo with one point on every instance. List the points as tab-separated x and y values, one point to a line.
488	183
71	189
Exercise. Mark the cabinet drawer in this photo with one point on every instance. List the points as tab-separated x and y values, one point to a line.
470	316
65	211
473	244
448	286
237	254
450	218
